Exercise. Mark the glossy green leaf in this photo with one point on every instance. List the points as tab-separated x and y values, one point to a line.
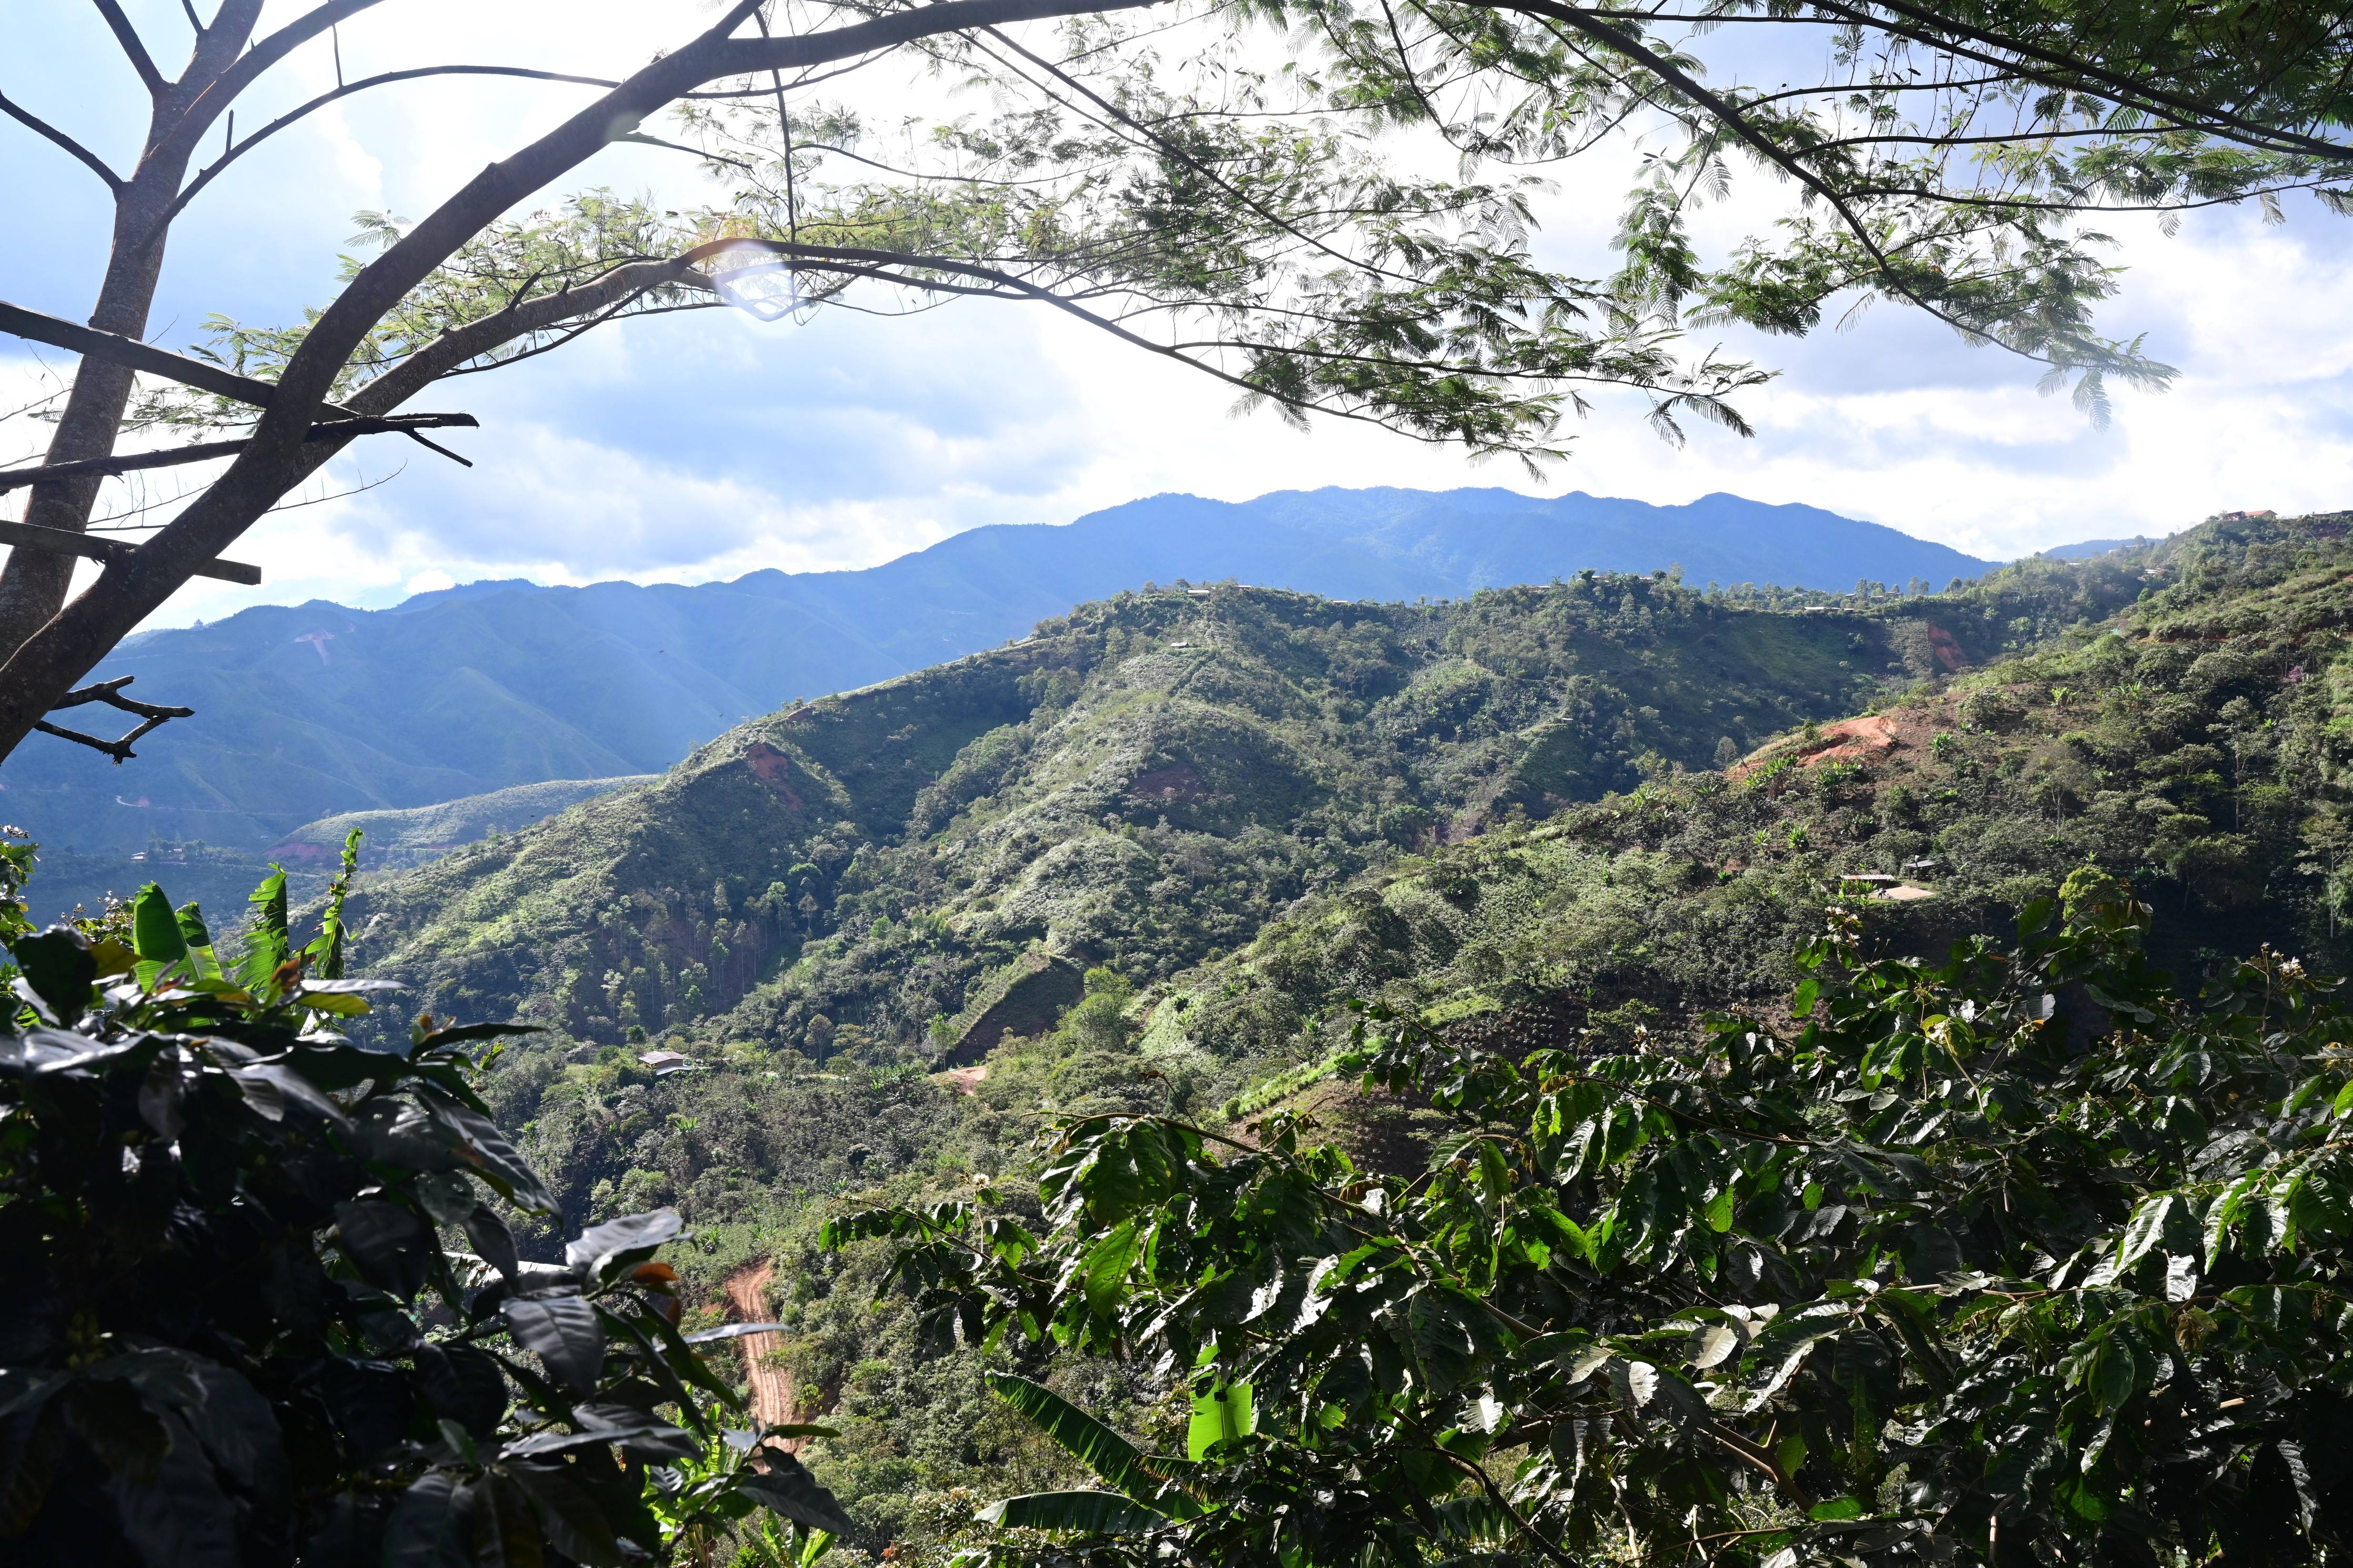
266	942
618	1243
426	1528
562	1331
179	1516
390	1245
155	928
574	1523
1110	1456
786	1488
204	963
1223	1415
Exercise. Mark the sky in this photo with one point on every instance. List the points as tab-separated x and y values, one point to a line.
699	447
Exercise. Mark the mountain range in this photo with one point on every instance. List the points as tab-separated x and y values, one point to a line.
1173	852
887	947
312	710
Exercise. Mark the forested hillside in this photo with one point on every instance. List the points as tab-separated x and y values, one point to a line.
1143	784
1156	857
2196	743
306	711
1136	862
1144	861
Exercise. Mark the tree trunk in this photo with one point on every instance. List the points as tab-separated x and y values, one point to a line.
33	586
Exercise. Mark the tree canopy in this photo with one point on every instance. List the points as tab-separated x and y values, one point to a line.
1243	186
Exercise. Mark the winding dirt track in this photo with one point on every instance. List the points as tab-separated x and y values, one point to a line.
774	1399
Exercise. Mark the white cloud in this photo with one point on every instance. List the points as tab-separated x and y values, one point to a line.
707	444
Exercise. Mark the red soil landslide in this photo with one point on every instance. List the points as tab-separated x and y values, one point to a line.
1869	738
775	769
1855	739
1948	652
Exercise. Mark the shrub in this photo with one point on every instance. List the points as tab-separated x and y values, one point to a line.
237	1330
2023	1258
1988	710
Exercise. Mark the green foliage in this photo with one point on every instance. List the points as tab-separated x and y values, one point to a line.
2191	742
2024	1247
1125	184
1597	929
15	870
1148	782
238	1332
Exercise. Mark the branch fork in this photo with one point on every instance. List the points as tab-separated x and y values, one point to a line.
151	715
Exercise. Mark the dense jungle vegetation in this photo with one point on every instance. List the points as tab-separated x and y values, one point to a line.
1195	858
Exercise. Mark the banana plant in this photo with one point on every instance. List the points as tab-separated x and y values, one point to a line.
1146	1490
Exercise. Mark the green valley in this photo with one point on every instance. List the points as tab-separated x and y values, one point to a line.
1145	861
1144	785
1160	858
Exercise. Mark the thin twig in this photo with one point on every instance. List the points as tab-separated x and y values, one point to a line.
96	164
231	154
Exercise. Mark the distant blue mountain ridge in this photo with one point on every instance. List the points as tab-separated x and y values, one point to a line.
308	711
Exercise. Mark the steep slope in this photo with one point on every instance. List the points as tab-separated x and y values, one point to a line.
2177	714
2193	744
1612	915
1145	782
315	709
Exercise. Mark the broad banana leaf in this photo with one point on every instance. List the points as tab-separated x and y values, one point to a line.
1110	1456
1080	1434
1095	1513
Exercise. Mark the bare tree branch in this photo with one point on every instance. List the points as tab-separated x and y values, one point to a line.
34	585
152	715
40	126
64	541
128	36
291	116
214	100
203	451
130	352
